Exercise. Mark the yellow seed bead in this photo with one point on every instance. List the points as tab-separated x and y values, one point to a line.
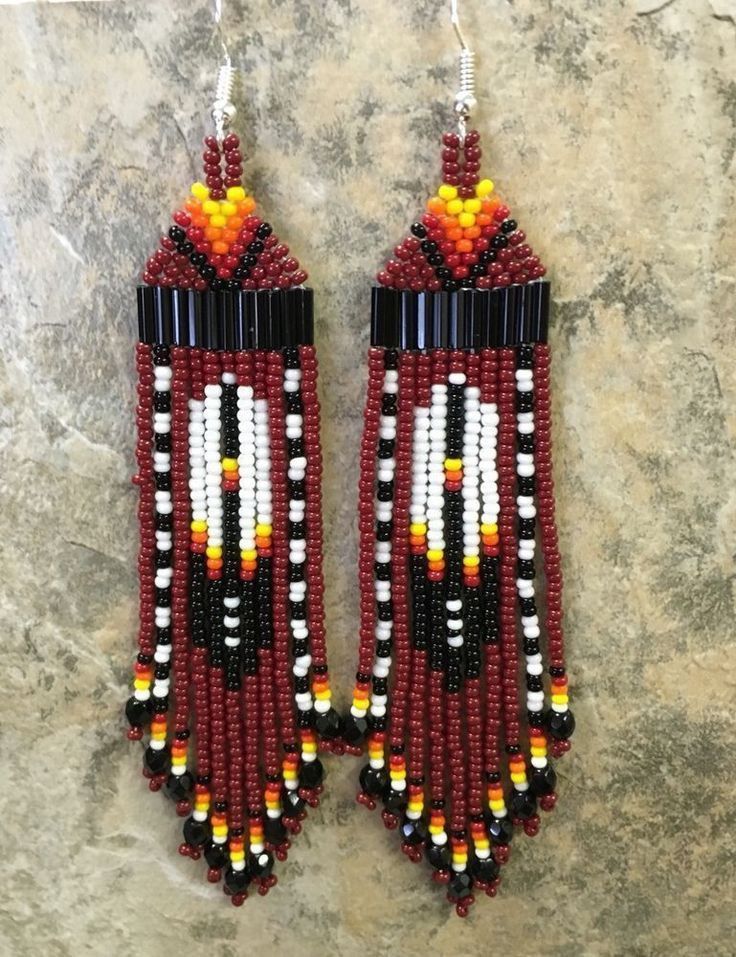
518	777
418	528
236	194
199	526
484	188
309	747
237	855
447	192
263	531
496	805
214	551
454	207
229	465
211	207
471	561
466	220
453	465
435	829
435	555
141	684
220	830
200	191
488	529
560	699
472	206
227	209
323	695
482	842
539	752
248	555
218	221
178	759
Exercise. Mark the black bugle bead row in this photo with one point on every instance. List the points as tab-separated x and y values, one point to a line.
466	319
227	320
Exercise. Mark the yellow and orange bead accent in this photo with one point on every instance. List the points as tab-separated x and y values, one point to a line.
538	745
158	727
459	854
255	834
517	768
559	691
272	796
219	827
496	801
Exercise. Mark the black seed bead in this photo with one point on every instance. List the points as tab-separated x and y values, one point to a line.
443	273
435	259
177	234
499	242
429	246
508	226
419	230
264	230
449	285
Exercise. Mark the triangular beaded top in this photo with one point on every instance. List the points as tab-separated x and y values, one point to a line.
466	238
217	240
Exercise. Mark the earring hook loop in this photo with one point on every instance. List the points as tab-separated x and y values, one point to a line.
465	101
223	108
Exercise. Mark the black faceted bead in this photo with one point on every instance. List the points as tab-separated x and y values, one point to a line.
292	804
156	761
439	857
260	865
373	780
461	885
354	729
237	881
522	804
414	832
196	833
274	831
137	712
312	774
328	725
485	870
179	786
216	855
500	830
394	801
544	780
560	724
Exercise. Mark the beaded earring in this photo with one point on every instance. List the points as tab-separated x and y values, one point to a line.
231	672
455	471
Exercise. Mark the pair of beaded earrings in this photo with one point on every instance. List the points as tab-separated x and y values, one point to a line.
231	683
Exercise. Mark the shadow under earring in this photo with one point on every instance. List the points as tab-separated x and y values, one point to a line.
231	682
455	488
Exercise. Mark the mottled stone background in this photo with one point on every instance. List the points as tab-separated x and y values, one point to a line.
611	127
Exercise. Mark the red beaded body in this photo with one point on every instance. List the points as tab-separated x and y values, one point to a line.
231	687
455	482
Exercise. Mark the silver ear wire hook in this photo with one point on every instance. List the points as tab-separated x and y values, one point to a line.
465	101
223	109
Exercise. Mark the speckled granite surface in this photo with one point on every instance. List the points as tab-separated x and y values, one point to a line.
611	127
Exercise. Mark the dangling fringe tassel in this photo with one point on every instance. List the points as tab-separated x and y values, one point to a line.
230	578
455	461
